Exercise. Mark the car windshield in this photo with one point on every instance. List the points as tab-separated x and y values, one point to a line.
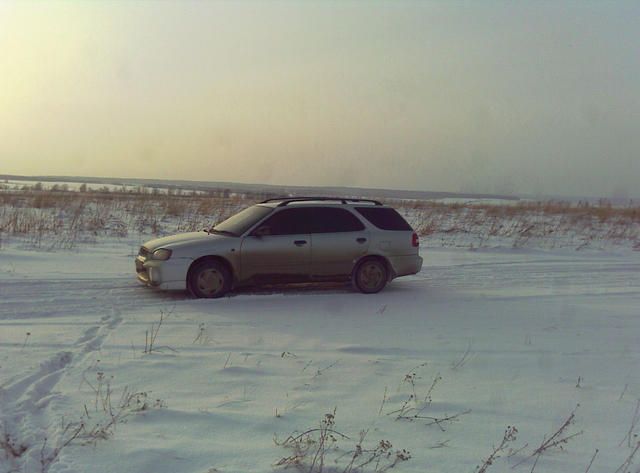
239	223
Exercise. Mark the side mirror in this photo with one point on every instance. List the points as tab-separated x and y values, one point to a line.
262	231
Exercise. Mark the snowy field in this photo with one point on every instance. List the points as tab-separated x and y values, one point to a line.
99	374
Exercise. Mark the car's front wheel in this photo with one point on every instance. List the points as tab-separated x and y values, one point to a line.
370	276
209	279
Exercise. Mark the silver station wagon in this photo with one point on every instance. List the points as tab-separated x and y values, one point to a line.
286	240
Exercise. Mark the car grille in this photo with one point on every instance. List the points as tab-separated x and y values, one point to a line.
143	252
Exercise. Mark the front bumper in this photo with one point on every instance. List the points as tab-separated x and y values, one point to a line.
168	274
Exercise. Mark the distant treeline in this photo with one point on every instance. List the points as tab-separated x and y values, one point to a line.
268	189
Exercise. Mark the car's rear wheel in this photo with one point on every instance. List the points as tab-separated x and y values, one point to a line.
370	276
209	279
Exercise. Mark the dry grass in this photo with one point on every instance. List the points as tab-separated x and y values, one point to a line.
50	218
547	223
55	219
603	211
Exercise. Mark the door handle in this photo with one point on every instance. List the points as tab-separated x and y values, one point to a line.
300	242
361	240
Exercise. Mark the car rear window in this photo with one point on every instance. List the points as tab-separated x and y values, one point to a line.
384	218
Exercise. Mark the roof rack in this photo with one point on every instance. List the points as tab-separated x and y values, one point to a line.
287	200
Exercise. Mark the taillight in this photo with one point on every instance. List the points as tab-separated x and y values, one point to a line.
415	240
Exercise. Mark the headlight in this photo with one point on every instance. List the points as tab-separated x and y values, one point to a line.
161	254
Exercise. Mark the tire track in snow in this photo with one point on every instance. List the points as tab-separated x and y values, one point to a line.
24	417
28	299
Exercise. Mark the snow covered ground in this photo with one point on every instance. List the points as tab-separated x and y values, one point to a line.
497	337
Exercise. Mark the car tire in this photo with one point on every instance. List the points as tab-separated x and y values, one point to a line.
370	276
209	279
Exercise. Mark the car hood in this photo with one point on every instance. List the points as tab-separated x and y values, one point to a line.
182	239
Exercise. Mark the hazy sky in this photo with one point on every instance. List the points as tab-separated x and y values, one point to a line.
484	96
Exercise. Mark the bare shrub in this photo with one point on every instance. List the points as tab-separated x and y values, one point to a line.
417	407
316	448
100	423
151	335
631	433
10	446
48	455
510	435
556	440
624	467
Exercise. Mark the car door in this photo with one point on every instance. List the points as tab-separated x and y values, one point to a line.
279	249
338	239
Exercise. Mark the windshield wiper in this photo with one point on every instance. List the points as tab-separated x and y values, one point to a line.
221	232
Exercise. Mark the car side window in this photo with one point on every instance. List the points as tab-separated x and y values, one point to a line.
334	220
290	222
